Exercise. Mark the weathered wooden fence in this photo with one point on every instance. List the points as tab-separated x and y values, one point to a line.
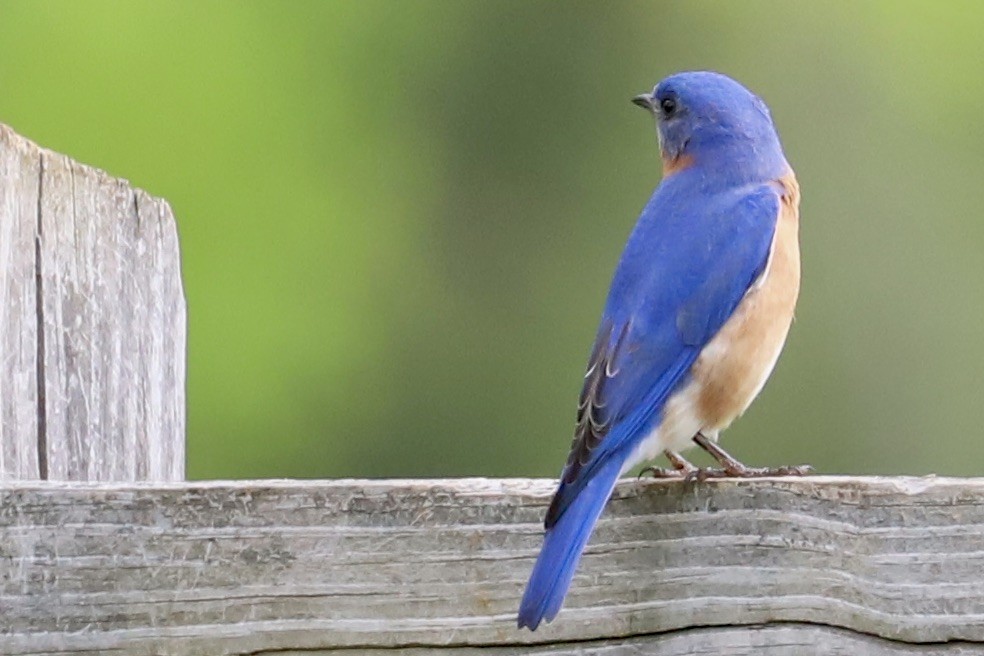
103	548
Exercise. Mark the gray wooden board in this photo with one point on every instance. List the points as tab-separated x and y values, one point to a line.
92	324
272	566
18	307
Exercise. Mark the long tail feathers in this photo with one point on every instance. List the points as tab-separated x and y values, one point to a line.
562	547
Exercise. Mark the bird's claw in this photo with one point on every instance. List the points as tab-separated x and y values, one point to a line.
694	475
662	472
701	474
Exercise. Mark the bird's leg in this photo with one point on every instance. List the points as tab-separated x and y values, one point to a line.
682	468
732	467
679	462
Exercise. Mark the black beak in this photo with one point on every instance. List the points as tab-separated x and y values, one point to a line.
646	101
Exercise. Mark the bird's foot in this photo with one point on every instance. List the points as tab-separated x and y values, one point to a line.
661	472
731	467
682	468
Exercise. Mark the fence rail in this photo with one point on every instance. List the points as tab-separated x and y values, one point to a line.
273	567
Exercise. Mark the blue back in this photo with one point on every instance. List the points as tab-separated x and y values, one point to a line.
681	276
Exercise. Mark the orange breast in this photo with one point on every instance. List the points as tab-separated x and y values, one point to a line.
735	364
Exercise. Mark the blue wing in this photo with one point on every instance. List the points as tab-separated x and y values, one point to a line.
685	268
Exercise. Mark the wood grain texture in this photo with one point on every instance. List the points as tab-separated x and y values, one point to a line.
864	565
92	324
19	172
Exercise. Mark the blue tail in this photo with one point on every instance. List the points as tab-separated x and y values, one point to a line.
562	547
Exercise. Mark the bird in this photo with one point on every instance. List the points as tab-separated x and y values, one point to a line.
697	313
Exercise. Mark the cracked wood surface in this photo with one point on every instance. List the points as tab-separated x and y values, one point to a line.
773	566
92	324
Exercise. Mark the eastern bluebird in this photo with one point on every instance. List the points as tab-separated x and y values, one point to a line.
697	313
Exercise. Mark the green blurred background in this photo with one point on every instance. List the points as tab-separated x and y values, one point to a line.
399	219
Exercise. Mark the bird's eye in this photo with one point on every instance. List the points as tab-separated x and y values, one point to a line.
668	106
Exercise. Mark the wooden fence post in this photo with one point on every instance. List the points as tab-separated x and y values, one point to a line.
92	324
115	554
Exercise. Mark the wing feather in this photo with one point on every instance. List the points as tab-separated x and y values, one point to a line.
667	301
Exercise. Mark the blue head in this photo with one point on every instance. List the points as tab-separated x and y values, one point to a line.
708	120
